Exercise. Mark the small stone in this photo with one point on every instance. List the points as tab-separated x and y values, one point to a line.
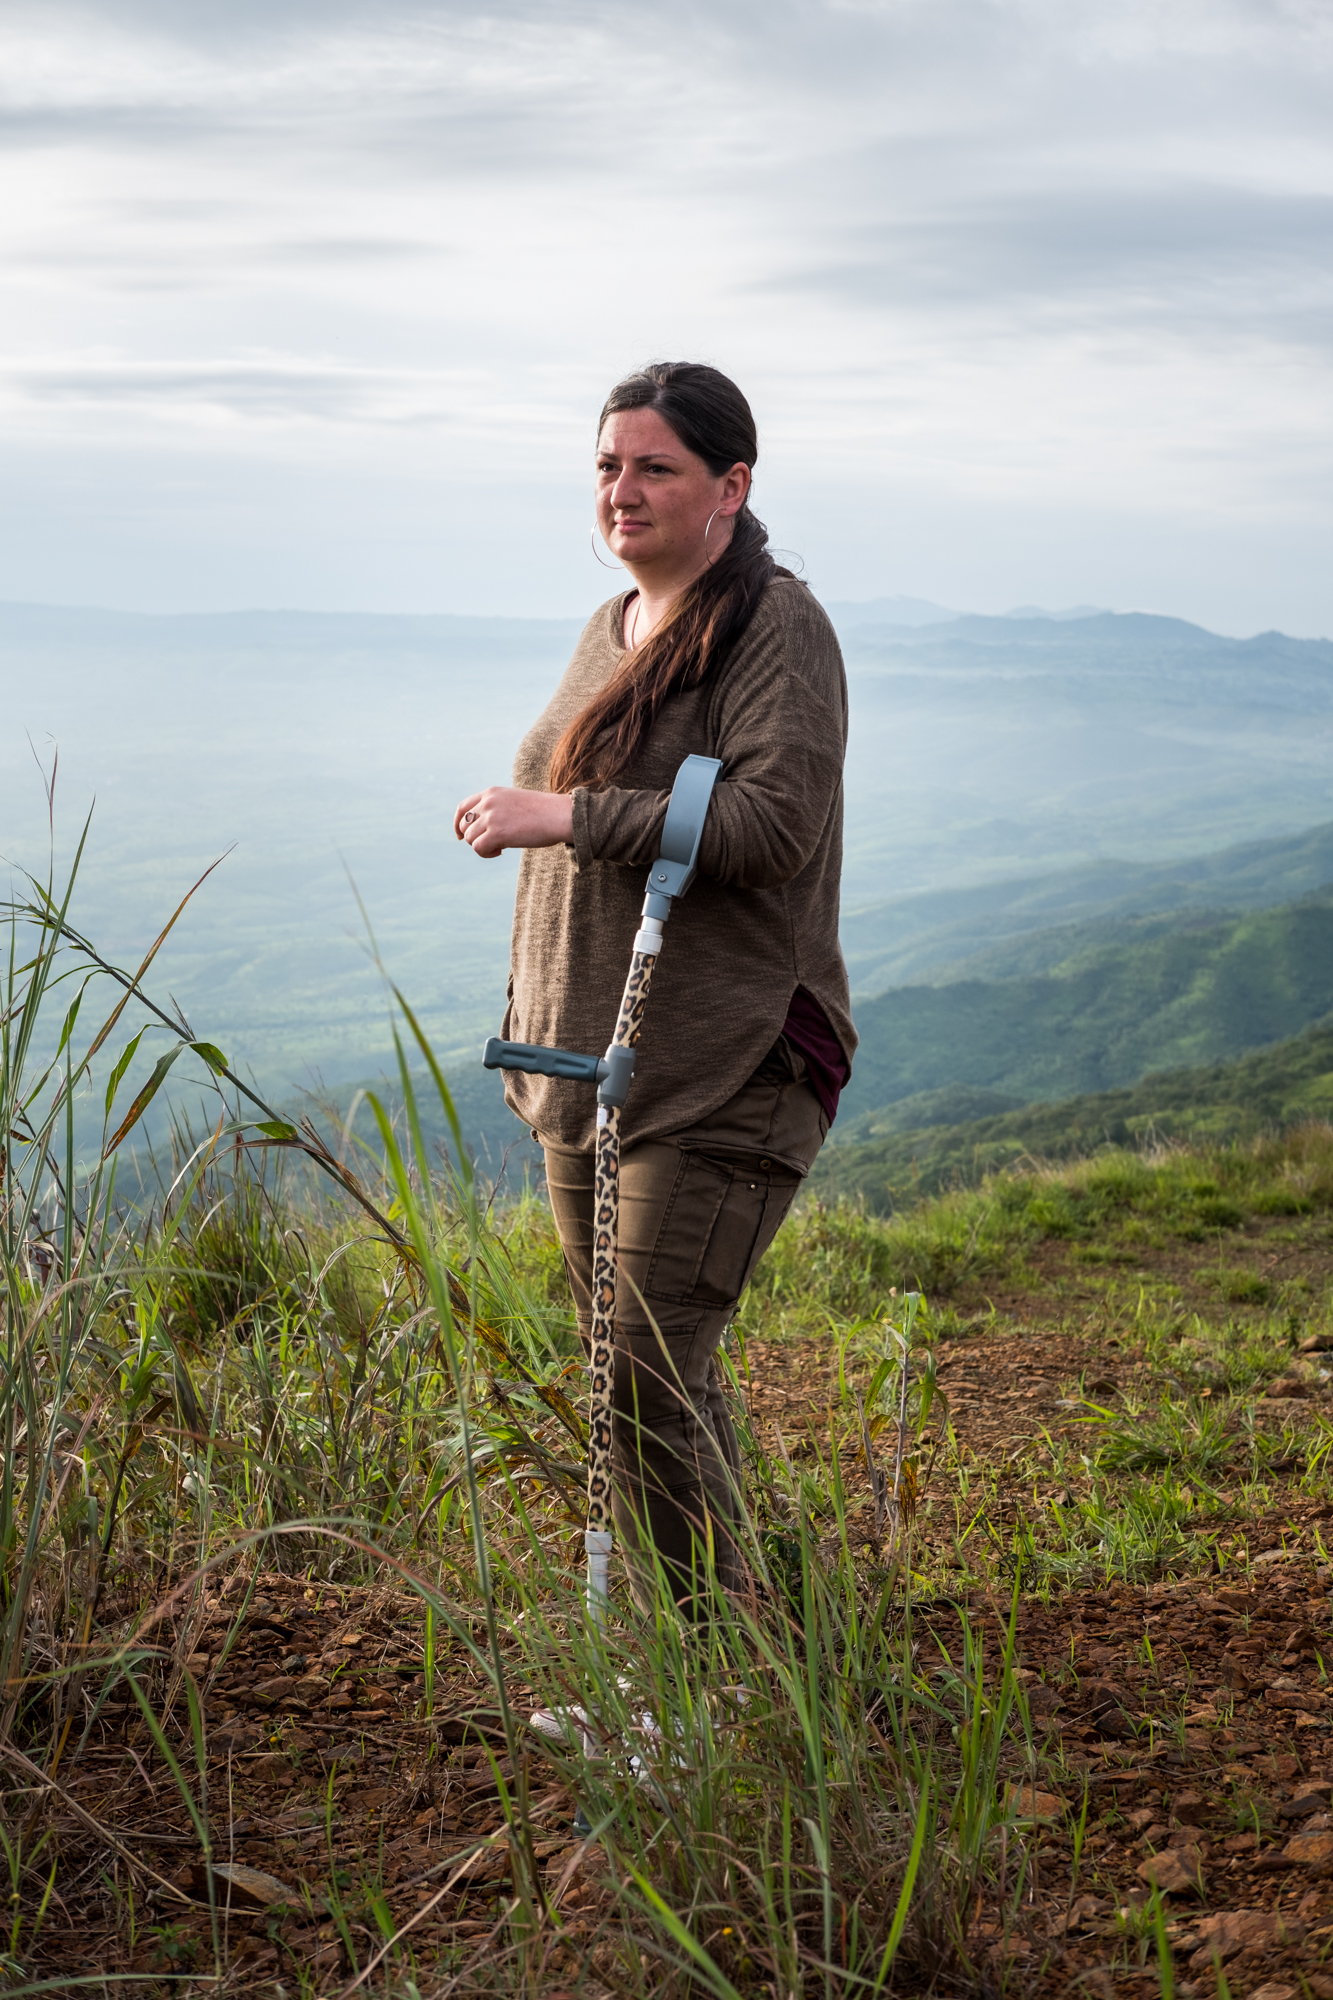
1109	1714
489	1864
344	1753
274	1765
1190	1808
1288	1388
248	1888
1310	1850
1274	1989
1306	1800
1223	1935
1079	1913
1172	1871
1029	1803
236	1734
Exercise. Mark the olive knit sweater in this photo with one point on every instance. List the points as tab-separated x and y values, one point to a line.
762	915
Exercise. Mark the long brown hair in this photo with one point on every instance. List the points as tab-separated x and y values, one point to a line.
712	419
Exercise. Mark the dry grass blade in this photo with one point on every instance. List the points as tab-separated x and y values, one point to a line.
457	1866
13	1755
878	1485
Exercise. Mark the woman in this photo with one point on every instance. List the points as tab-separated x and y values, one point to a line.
748	1038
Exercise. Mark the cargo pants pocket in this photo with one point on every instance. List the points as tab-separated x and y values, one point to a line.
713	1229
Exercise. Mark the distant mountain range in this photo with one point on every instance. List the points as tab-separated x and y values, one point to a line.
1005	776
915	611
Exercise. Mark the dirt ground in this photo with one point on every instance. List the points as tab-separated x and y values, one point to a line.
1192	1714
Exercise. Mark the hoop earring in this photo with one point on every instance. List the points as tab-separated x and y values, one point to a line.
711	518
592	538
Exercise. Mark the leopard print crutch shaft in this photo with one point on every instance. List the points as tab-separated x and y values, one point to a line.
606	1214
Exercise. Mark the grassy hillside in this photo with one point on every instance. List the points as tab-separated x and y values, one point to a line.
892	1166
1107	1014
968	932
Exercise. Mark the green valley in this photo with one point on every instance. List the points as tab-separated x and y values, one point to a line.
920	1145
1106	1013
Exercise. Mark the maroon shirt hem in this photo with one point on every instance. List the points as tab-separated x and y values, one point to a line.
807	1029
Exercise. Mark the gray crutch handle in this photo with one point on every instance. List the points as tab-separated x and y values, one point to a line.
683	830
531	1056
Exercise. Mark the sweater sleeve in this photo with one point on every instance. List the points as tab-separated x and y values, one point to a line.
780	731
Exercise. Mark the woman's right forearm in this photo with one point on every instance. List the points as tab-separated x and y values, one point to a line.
503	816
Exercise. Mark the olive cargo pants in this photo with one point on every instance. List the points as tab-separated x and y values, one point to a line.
697	1211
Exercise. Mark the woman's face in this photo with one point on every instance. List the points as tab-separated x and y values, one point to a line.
654	497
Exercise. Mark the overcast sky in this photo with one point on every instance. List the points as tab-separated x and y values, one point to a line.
315	304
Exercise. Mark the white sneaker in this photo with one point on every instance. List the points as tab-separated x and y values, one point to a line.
565	1725
574	1725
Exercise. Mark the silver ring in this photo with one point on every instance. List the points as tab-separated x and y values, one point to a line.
468	818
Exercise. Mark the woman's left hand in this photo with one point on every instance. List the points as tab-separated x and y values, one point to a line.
503	816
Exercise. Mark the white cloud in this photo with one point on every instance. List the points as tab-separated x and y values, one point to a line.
1043	256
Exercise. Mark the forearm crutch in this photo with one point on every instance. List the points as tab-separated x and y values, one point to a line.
670	876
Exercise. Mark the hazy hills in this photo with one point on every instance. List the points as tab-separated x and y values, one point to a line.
1275	1086
1013	747
997	929
1004	775
320	751
914	611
